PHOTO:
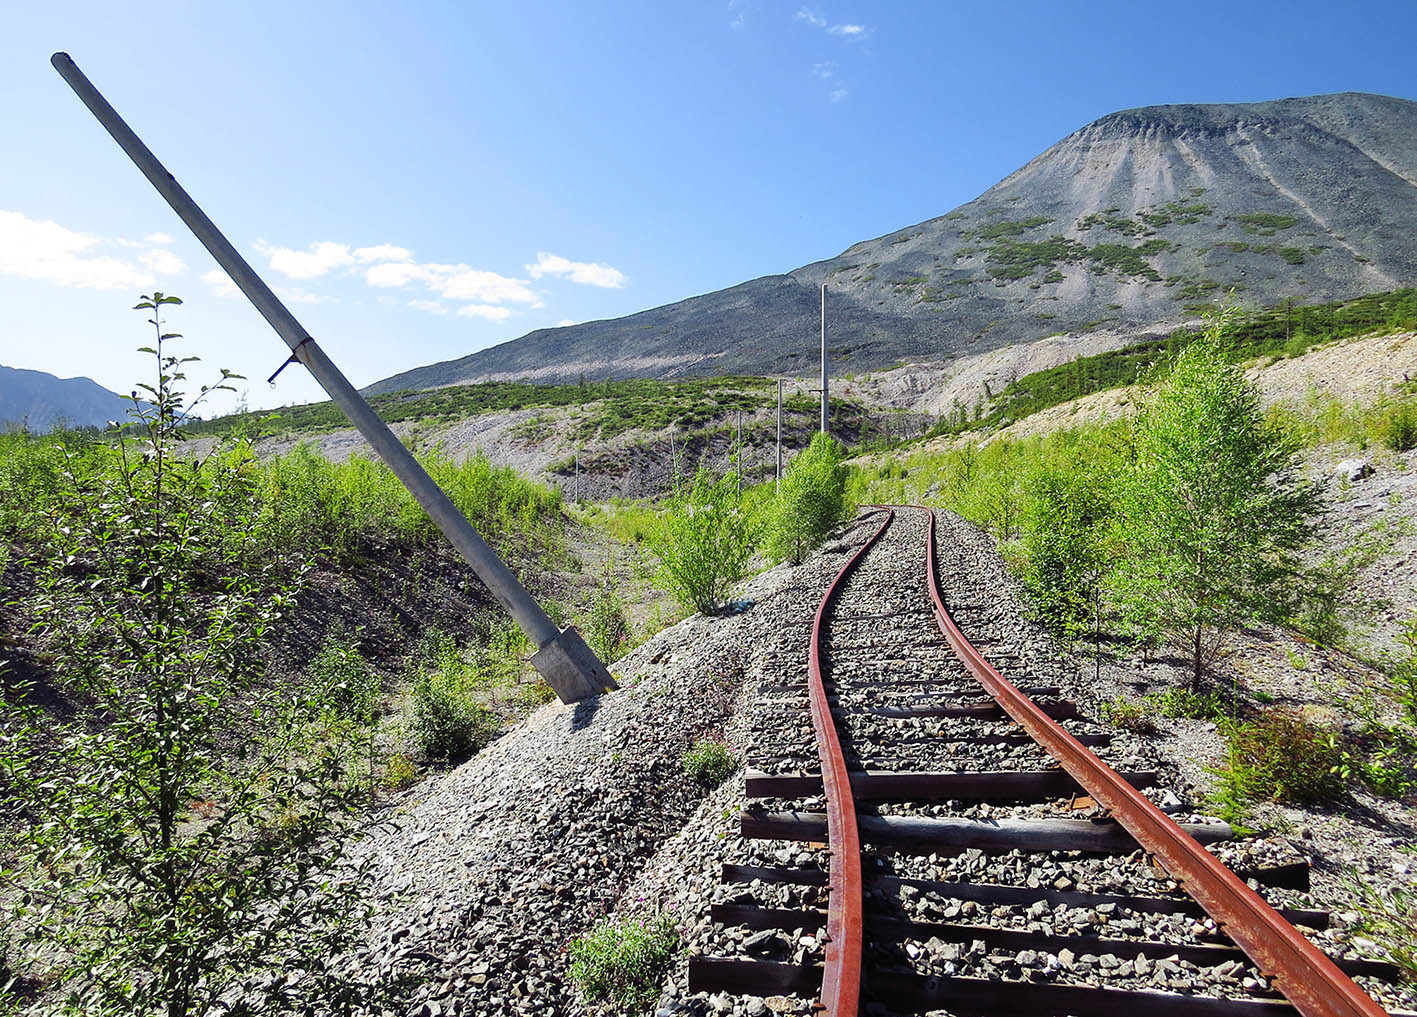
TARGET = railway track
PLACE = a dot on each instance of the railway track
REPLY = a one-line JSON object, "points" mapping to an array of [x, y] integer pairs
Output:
{"points": [[954, 842]]}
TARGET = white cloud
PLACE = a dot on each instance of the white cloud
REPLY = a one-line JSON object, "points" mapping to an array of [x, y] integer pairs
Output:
{"points": [[322, 257], [220, 282], [824, 70], [158, 239], [484, 311], [592, 274], [453, 282], [431, 306], [163, 262], [398, 273], [564, 322], [42, 249], [839, 94], [298, 296], [382, 252], [464, 283], [817, 19]]}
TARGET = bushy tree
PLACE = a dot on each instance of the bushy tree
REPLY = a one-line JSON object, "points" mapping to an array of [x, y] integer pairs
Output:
{"points": [[813, 501], [1212, 510], [181, 844], [704, 539], [1065, 548]]}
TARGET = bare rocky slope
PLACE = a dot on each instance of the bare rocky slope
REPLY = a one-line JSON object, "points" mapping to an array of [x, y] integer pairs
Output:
{"points": [[1123, 226]]}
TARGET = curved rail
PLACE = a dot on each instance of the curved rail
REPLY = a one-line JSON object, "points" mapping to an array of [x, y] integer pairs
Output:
{"points": [[841, 969], [1306, 976]]}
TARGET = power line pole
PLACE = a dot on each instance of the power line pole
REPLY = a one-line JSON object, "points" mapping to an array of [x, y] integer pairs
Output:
{"points": [[562, 657], [824, 358], [779, 434]]}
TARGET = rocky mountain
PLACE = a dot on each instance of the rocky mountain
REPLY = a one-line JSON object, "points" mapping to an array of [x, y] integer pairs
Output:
{"points": [[42, 402], [1128, 225]]}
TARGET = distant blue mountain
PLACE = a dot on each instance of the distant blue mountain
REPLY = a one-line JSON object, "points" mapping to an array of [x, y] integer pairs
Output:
{"points": [[42, 402]]}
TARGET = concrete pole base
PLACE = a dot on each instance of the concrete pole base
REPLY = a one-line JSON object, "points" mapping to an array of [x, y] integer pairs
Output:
{"points": [[572, 668]]}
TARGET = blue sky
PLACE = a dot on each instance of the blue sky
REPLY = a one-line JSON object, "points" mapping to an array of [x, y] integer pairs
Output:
{"points": [[426, 179]]}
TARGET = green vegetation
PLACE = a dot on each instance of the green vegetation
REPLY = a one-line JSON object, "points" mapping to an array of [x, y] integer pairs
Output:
{"points": [[1009, 228], [1208, 507], [624, 961], [811, 503], [628, 403], [1288, 328], [704, 538], [1390, 918], [708, 762], [163, 872], [1016, 259], [1265, 223], [1065, 519], [607, 630], [1278, 757], [448, 722], [1129, 715]]}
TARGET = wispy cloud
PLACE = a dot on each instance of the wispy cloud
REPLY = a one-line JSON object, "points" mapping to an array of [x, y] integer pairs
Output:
{"points": [[163, 262], [43, 249], [483, 311], [815, 18], [431, 306], [321, 258], [825, 69], [839, 94], [158, 239], [589, 273], [220, 283], [382, 252], [564, 322]]}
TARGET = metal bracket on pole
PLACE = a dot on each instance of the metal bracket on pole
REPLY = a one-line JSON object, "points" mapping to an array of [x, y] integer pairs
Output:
{"points": [[562, 656]]}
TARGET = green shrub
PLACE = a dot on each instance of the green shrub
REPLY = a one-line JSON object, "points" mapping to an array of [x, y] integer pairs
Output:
{"points": [[1399, 429], [811, 503], [1281, 757], [400, 772], [708, 762], [607, 630], [704, 539], [624, 961], [341, 682], [185, 845], [1130, 715], [1189, 704], [448, 722], [1065, 557]]}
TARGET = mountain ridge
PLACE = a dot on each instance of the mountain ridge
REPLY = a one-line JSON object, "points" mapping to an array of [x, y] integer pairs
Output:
{"points": [[1133, 222], [40, 401]]}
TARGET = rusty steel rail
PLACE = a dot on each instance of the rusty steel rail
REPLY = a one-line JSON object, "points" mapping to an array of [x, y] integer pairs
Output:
{"points": [[1303, 973], [841, 969]]}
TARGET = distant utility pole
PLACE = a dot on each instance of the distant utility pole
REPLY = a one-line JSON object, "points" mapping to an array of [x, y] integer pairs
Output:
{"points": [[779, 434], [824, 358]]}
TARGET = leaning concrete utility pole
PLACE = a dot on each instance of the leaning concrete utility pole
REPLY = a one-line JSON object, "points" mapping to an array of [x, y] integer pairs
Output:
{"points": [[824, 358], [562, 656]]}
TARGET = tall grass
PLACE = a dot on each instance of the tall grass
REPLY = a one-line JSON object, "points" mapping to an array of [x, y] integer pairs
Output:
{"points": [[306, 503]]}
